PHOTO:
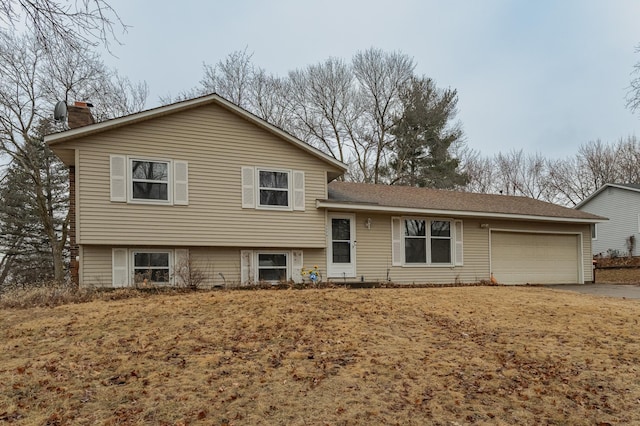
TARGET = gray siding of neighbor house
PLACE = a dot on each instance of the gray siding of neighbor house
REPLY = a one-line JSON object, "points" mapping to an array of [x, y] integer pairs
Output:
{"points": [[622, 207]]}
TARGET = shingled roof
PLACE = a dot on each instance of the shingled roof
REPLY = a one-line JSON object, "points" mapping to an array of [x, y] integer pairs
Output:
{"points": [[379, 197]]}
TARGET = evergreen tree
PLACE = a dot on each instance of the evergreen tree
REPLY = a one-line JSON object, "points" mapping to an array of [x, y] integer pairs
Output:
{"points": [[424, 134], [33, 214]]}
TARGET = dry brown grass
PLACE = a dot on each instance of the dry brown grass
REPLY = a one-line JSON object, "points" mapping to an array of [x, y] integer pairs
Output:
{"points": [[476, 355], [624, 276]]}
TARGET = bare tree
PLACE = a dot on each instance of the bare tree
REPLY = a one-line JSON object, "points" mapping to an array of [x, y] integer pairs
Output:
{"points": [[324, 107], [380, 77], [30, 84], [57, 25], [270, 100], [633, 94], [82, 75], [479, 169], [231, 78], [522, 174], [595, 164]]}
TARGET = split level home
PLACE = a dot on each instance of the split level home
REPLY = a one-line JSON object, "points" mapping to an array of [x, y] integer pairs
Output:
{"points": [[619, 236], [205, 185]]}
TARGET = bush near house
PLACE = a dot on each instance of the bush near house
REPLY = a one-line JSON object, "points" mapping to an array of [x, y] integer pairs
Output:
{"points": [[468, 355]]}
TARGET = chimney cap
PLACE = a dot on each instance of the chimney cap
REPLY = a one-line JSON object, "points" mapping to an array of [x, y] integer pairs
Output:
{"points": [[83, 104]]}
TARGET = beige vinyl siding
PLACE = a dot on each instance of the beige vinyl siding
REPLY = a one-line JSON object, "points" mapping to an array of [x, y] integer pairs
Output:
{"points": [[216, 144], [96, 268], [373, 251]]}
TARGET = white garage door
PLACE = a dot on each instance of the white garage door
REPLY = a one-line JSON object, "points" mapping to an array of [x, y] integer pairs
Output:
{"points": [[521, 258]]}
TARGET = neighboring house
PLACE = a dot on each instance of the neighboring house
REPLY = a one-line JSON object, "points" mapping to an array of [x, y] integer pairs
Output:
{"points": [[621, 204], [205, 185]]}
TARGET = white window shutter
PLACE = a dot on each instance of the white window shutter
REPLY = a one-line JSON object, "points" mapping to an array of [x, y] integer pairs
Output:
{"points": [[458, 235], [180, 183], [248, 188], [120, 267], [246, 267], [118, 171], [396, 241], [298, 190], [181, 267], [296, 266]]}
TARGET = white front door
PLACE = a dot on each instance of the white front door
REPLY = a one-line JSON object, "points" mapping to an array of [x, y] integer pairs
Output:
{"points": [[341, 262]]}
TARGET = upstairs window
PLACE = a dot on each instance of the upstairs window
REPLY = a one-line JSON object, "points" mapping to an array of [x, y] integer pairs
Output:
{"points": [[274, 188], [267, 188], [150, 180]]}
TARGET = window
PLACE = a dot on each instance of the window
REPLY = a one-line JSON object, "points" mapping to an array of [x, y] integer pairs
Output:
{"points": [[415, 241], [341, 240], [441, 241], [427, 242], [152, 266], [273, 188], [144, 180], [272, 267], [594, 230], [149, 180]]}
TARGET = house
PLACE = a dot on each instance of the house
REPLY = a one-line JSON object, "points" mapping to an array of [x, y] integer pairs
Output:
{"points": [[203, 185], [621, 204]]}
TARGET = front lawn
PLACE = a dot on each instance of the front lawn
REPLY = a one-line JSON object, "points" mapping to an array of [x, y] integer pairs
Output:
{"points": [[471, 355]]}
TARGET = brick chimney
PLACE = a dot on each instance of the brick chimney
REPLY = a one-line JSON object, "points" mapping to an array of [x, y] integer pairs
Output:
{"points": [[79, 115]]}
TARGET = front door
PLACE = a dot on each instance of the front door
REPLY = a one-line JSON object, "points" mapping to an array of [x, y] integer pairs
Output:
{"points": [[341, 262]]}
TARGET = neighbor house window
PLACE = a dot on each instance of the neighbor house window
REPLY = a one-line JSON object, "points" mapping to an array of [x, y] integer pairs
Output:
{"points": [[273, 188], [152, 266], [272, 267], [427, 242], [150, 180]]}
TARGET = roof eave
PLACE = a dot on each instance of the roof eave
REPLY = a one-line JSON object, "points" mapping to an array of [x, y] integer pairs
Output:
{"points": [[602, 188], [57, 138], [327, 204]]}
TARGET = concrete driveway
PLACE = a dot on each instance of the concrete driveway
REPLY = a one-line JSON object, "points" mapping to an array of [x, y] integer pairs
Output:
{"points": [[625, 291]]}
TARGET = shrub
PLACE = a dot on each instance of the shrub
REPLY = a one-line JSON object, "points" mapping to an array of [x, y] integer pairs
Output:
{"points": [[45, 295]]}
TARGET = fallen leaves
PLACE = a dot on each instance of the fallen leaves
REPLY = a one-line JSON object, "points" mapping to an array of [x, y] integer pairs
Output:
{"points": [[411, 356]]}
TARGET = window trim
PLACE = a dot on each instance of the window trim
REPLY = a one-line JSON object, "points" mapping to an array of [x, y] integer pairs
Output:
{"points": [[130, 180], [256, 260], [132, 268], [428, 238], [259, 205]]}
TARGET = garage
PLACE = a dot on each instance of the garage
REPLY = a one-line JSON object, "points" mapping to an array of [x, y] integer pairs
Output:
{"points": [[535, 258]]}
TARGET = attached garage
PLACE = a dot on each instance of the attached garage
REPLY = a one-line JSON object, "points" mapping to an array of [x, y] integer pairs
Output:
{"points": [[536, 258]]}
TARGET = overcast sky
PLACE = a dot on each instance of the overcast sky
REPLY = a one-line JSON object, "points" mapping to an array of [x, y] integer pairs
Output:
{"points": [[543, 75]]}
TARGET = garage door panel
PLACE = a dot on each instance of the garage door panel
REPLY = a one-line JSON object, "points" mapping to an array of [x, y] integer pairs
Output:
{"points": [[521, 258]]}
